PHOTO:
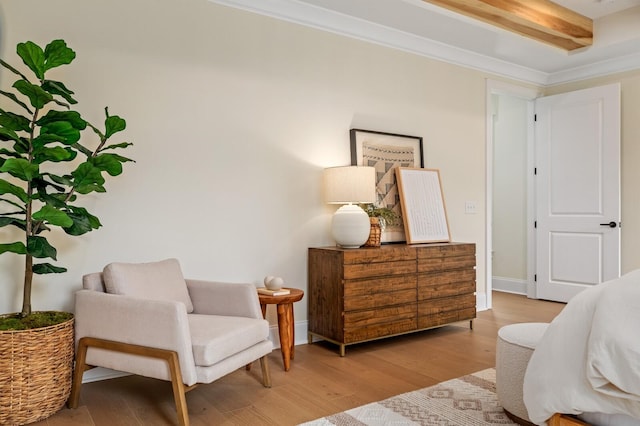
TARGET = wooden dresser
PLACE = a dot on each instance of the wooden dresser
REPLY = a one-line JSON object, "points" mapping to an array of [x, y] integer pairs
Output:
{"points": [[368, 293]]}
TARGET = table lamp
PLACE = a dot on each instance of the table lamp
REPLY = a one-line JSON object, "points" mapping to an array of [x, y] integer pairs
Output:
{"points": [[350, 185]]}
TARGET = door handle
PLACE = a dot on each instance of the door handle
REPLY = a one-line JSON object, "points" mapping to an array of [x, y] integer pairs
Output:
{"points": [[611, 224]]}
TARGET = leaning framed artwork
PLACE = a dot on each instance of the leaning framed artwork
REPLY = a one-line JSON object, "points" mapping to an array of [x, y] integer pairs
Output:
{"points": [[386, 152], [425, 215]]}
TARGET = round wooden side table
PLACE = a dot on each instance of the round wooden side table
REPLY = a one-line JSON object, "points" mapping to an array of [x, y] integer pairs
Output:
{"points": [[284, 308]]}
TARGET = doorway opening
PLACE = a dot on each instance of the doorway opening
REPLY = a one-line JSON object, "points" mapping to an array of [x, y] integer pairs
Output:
{"points": [[509, 187]]}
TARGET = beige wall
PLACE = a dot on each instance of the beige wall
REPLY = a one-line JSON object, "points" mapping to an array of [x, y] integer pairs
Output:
{"points": [[630, 153], [234, 116], [510, 161]]}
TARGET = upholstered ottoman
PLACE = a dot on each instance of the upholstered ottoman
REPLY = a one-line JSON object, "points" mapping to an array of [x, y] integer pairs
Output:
{"points": [[515, 345]]}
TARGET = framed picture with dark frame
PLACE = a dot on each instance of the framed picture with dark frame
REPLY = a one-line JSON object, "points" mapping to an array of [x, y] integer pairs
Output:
{"points": [[386, 152]]}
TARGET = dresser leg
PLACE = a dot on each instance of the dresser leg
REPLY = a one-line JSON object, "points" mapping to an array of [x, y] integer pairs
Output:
{"points": [[470, 324], [342, 350]]}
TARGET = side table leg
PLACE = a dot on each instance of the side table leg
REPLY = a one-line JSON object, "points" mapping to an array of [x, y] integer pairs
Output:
{"points": [[285, 330], [263, 308]]}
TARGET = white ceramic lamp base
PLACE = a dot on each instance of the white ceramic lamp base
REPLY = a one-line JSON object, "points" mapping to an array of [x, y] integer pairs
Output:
{"points": [[350, 226]]}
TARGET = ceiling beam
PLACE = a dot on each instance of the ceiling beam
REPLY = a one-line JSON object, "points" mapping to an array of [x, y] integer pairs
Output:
{"points": [[541, 20]]}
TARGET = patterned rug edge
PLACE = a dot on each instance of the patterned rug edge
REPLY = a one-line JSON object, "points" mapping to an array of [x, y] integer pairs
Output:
{"points": [[469, 400]]}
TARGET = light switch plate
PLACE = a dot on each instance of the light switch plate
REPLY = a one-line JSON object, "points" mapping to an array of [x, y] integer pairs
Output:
{"points": [[469, 207]]}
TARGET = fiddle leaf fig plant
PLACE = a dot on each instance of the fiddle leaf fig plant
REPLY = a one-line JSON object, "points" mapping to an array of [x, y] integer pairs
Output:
{"points": [[46, 161]]}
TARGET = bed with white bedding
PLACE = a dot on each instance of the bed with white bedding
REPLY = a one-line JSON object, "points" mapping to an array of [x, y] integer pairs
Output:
{"points": [[588, 361]]}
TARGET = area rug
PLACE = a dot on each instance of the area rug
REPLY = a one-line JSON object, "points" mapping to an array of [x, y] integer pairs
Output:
{"points": [[467, 401]]}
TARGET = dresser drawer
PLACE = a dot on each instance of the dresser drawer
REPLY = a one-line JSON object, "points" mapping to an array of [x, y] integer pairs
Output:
{"points": [[379, 269], [445, 304], [369, 317], [380, 292], [443, 318], [375, 331], [380, 300], [433, 251], [438, 264], [379, 285], [385, 253], [450, 283]]}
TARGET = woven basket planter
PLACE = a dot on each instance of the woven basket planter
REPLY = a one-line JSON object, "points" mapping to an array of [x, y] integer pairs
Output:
{"points": [[35, 372]]}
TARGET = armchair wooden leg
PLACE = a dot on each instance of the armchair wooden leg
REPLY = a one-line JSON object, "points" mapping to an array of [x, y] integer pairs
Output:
{"points": [[79, 369], [171, 357], [266, 374]]}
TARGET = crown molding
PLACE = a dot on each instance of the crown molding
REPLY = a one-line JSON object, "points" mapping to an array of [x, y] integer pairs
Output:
{"points": [[327, 20]]}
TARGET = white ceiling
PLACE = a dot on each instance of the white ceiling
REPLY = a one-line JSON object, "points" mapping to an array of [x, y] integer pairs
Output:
{"points": [[428, 30]]}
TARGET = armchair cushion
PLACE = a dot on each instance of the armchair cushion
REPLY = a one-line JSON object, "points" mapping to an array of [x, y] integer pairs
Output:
{"points": [[161, 280], [216, 337]]}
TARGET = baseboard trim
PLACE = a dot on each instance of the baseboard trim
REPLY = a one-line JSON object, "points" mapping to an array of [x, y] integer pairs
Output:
{"points": [[510, 285], [300, 333], [99, 373]]}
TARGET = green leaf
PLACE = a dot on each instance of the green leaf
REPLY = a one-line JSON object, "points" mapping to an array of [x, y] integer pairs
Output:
{"points": [[62, 180], [96, 131], [113, 124], [110, 163], [87, 178], [8, 135], [15, 99], [86, 151], [71, 117], [20, 168], [55, 154], [12, 69], [16, 247], [83, 222], [4, 221], [52, 199], [22, 146], [33, 57], [62, 104], [39, 247], [58, 88], [18, 223], [38, 97], [53, 216], [13, 121], [58, 131], [117, 145], [57, 53], [47, 268], [9, 188]]}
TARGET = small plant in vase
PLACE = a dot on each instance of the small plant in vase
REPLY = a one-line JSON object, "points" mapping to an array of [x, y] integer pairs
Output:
{"points": [[380, 218], [44, 166]]}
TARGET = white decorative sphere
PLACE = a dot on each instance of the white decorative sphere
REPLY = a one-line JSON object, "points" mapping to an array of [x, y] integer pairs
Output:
{"points": [[275, 283]]}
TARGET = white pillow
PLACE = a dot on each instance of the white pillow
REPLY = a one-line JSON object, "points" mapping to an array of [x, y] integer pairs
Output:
{"points": [[161, 280]]}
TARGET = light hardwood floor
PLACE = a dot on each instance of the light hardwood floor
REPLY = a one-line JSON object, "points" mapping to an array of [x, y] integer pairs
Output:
{"points": [[319, 383]]}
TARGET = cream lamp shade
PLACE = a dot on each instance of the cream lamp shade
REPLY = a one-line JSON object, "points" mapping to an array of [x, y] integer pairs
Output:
{"points": [[350, 185]]}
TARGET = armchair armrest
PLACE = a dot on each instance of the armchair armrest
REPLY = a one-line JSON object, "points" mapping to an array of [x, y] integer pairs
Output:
{"points": [[230, 299], [152, 323]]}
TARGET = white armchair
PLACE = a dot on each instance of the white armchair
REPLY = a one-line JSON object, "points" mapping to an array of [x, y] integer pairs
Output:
{"points": [[146, 319]]}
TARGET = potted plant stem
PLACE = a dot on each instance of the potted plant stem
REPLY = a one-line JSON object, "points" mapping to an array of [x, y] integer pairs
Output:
{"points": [[46, 163]]}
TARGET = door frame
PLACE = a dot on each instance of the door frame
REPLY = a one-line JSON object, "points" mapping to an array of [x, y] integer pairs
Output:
{"points": [[495, 87]]}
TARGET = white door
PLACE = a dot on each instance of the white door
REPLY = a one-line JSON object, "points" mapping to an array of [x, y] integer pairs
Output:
{"points": [[577, 191]]}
